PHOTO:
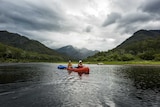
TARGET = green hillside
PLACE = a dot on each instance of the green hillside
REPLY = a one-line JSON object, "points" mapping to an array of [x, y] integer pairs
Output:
{"points": [[18, 41], [143, 45], [12, 54], [17, 47]]}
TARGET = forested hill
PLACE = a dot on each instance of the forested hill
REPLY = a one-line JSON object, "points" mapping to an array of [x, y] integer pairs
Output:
{"points": [[139, 36], [18, 41], [15, 46], [142, 45]]}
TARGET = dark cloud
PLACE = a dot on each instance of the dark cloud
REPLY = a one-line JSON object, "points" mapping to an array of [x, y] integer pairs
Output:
{"points": [[127, 23], [131, 19], [112, 18], [88, 29], [137, 17], [152, 6], [30, 16]]}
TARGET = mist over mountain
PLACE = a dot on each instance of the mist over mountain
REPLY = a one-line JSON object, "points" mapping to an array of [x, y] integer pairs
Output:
{"points": [[76, 53]]}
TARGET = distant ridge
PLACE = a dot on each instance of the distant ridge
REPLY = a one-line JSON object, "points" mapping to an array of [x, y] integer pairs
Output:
{"points": [[75, 53]]}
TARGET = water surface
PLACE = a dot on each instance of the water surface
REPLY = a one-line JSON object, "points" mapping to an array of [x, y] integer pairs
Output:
{"points": [[43, 85]]}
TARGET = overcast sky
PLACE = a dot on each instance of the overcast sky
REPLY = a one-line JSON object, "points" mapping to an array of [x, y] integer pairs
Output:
{"points": [[93, 24]]}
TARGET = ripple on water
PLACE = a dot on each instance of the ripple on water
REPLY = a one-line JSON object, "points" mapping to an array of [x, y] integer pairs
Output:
{"points": [[105, 86]]}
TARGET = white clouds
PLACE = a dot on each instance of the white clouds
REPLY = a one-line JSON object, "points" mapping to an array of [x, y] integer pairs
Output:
{"points": [[94, 24]]}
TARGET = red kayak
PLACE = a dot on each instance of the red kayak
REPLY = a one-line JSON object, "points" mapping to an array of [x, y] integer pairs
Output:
{"points": [[79, 70]]}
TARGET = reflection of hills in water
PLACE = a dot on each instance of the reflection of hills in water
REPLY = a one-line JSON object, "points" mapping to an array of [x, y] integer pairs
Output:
{"points": [[106, 85], [147, 77]]}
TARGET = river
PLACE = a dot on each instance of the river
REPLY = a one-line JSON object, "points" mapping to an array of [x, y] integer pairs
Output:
{"points": [[43, 85]]}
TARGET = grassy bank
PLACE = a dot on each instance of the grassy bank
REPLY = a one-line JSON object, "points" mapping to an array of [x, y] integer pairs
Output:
{"points": [[86, 62], [126, 62]]}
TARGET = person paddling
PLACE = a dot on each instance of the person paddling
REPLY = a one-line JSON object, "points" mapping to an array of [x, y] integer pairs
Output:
{"points": [[80, 65], [69, 64]]}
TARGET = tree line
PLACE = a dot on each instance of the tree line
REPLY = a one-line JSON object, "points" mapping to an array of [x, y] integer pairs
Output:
{"points": [[143, 50], [12, 54]]}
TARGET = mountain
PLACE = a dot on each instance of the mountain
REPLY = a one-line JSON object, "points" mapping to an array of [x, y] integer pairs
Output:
{"points": [[142, 45], [139, 36], [75, 53], [17, 41], [12, 54]]}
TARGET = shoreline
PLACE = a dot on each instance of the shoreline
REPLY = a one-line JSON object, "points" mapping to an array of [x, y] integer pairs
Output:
{"points": [[125, 63], [133, 63]]}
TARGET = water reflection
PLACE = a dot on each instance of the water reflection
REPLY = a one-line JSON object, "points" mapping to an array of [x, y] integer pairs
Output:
{"points": [[79, 73], [144, 77], [12, 73], [69, 72], [42, 84]]}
